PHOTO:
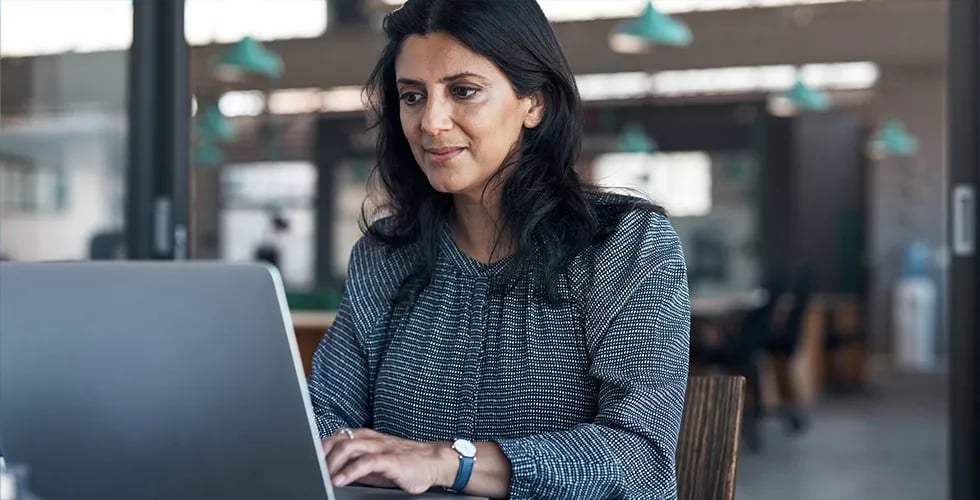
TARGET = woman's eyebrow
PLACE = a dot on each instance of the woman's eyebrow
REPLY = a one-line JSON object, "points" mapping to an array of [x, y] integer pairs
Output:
{"points": [[460, 76], [445, 79]]}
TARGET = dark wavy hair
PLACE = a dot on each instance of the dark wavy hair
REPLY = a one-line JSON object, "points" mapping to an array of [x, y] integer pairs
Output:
{"points": [[546, 210]]}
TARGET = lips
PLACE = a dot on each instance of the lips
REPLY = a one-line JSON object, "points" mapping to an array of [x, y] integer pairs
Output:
{"points": [[443, 154]]}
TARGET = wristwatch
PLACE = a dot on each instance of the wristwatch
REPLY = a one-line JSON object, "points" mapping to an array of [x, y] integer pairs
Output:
{"points": [[467, 456]]}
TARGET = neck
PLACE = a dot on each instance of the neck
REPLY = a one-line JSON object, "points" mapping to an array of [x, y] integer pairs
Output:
{"points": [[476, 227]]}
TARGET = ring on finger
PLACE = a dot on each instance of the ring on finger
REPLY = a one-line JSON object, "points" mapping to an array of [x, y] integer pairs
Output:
{"points": [[348, 432]]}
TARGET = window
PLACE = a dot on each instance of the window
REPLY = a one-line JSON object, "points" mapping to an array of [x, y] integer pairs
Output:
{"points": [[63, 129], [32, 27], [713, 204], [680, 182], [29, 189]]}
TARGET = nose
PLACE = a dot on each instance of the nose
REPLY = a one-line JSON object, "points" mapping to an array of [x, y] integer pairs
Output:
{"points": [[436, 117]]}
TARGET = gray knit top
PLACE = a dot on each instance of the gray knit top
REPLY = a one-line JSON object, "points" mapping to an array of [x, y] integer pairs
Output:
{"points": [[585, 397]]}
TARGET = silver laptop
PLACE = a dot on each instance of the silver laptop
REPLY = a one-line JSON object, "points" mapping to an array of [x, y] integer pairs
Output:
{"points": [[144, 380]]}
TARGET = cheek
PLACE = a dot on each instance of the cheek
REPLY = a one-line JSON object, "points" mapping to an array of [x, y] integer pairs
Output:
{"points": [[409, 125], [493, 132], [495, 142]]}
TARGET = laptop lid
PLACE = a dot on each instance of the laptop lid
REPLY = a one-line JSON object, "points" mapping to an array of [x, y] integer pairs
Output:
{"points": [[154, 380]]}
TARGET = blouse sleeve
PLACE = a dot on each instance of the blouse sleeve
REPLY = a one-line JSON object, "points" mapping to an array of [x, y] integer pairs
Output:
{"points": [[639, 359], [345, 362]]}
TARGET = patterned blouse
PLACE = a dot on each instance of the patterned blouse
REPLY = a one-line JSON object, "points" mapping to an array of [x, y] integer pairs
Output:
{"points": [[585, 398]]}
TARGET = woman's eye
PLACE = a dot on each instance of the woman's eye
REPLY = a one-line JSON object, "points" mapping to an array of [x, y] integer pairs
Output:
{"points": [[411, 98], [464, 92]]}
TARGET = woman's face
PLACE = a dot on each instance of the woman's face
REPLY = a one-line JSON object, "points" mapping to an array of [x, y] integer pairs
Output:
{"points": [[459, 112]]}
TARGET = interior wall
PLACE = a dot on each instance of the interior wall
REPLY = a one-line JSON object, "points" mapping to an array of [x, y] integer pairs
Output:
{"points": [[828, 205]]}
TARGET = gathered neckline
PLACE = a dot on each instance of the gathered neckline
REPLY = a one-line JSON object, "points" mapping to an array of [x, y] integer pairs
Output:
{"points": [[465, 262]]}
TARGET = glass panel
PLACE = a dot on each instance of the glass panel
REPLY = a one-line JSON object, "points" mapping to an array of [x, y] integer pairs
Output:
{"points": [[253, 180], [63, 128]]}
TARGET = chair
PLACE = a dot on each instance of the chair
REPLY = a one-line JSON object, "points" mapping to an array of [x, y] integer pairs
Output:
{"points": [[707, 451], [781, 348], [738, 355]]}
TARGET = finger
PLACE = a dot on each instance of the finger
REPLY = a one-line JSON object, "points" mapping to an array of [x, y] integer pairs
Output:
{"points": [[377, 481], [381, 469], [368, 464], [343, 451], [326, 444], [338, 436], [349, 449], [368, 433], [329, 442], [346, 432]]}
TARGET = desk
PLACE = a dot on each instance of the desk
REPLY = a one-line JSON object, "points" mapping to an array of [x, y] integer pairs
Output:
{"points": [[807, 365], [720, 306]]}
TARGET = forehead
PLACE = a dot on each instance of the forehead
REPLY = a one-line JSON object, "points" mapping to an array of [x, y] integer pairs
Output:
{"points": [[437, 55]]}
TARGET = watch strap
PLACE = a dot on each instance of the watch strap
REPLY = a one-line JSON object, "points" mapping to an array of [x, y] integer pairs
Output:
{"points": [[464, 473]]}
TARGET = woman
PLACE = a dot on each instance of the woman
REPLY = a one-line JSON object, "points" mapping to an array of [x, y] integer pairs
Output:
{"points": [[505, 330]]}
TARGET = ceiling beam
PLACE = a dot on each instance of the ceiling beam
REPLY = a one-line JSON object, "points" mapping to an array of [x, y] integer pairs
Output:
{"points": [[893, 32]]}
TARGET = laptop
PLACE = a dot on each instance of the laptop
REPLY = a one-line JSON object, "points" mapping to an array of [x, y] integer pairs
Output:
{"points": [[157, 380]]}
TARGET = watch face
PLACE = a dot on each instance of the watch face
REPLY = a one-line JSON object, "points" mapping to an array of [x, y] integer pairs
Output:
{"points": [[465, 448]]}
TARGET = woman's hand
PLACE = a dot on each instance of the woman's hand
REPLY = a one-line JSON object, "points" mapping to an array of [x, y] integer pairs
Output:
{"points": [[377, 459]]}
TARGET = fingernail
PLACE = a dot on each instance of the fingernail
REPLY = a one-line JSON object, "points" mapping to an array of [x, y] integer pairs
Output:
{"points": [[339, 480]]}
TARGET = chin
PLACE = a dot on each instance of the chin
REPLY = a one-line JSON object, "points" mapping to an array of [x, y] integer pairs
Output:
{"points": [[447, 188], [446, 185]]}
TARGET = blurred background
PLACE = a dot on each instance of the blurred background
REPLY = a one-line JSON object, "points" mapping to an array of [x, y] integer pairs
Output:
{"points": [[801, 148]]}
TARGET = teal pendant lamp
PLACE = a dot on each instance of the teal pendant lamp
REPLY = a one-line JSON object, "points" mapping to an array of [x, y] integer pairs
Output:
{"points": [[634, 139], [208, 155], [248, 56], [214, 127], [651, 28], [211, 128], [805, 97], [893, 139]]}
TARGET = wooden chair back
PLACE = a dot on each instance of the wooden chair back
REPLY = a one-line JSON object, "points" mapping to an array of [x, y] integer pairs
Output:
{"points": [[707, 452]]}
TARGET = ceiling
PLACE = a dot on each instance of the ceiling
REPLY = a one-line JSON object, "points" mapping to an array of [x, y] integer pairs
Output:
{"points": [[889, 32], [905, 33]]}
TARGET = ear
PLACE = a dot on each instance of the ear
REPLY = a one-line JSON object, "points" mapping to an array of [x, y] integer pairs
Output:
{"points": [[535, 110]]}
